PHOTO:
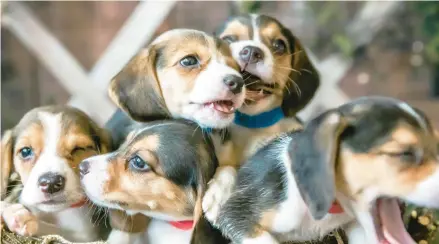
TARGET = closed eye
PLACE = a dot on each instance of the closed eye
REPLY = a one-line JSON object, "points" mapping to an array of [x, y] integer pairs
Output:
{"points": [[78, 149]]}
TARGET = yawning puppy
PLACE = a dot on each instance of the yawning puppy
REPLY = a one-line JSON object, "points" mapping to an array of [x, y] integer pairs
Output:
{"points": [[183, 74], [280, 80], [45, 149], [348, 168], [161, 171]]}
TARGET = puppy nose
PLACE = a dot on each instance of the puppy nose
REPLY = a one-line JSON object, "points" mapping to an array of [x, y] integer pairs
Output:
{"points": [[84, 167], [234, 82], [51, 183], [251, 54]]}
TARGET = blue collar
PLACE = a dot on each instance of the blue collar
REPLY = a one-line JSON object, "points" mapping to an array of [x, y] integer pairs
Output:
{"points": [[262, 120]]}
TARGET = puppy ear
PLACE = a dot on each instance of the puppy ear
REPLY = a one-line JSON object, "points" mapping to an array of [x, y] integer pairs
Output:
{"points": [[204, 232], [7, 161], [313, 156], [136, 89], [306, 79]]}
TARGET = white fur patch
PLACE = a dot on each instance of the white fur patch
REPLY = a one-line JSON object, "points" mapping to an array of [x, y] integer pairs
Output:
{"points": [[426, 193], [220, 189]]}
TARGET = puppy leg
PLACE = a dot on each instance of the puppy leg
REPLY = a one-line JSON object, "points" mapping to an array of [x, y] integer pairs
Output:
{"points": [[19, 219], [219, 190]]}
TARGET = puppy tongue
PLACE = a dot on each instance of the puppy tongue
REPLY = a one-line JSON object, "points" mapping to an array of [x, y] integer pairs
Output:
{"points": [[223, 107], [391, 223]]}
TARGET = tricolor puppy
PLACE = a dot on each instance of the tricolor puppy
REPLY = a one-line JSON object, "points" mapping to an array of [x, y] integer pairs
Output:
{"points": [[160, 171], [280, 80], [349, 167], [183, 74], [45, 149]]}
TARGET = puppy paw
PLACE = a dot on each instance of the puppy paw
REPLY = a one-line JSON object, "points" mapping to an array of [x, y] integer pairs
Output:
{"points": [[20, 220], [219, 190]]}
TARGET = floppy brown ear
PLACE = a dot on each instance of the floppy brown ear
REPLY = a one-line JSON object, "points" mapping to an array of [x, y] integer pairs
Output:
{"points": [[7, 161], [204, 232], [307, 81], [136, 89], [313, 156]]}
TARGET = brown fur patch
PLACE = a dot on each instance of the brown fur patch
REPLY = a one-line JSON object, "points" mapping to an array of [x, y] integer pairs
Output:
{"points": [[129, 223], [145, 191], [237, 29], [267, 219]]}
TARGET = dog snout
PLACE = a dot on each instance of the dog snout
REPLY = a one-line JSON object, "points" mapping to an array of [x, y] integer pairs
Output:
{"points": [[251, 54], [234, 83], [84, 167], [51, 183]]}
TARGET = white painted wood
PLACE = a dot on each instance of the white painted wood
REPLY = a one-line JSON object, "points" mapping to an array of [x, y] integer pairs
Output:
{"points": [[52, 54], [136, 32]]}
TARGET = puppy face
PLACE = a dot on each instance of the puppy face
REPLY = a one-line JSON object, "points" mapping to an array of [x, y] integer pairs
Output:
{"points": [[382, 151], [182, 74], [45, 149], [275, 66], [161, 170]]}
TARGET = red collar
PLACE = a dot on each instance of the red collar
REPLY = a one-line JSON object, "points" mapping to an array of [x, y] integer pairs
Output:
{"points": [[182, 225], [81, 203], [336, 208]]}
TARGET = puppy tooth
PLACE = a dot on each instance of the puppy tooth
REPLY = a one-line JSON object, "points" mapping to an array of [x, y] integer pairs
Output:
{"points": [[211, 105]]}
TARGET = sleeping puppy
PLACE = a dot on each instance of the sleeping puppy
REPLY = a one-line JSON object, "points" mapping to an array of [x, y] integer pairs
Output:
{"points": [[160, 171], [280, 80], [183, 74], [45, 149], [349, 167]]}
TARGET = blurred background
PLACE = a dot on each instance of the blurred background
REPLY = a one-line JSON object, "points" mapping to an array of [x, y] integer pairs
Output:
{"points": [[66, 52]]}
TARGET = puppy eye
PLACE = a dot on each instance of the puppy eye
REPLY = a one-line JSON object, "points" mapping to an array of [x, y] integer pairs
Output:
{"points": [[189, 61], [409, 155], [26, 153], [138, 164], [229, 39], [279, 46]]}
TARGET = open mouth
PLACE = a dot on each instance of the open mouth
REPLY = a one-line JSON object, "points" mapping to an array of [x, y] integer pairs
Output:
{"points": [[223, 106], [256, 88], [389, 226]]}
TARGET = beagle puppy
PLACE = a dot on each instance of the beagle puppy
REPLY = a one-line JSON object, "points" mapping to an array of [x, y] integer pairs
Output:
{"points": [[349, 167], [280, 80], [45, 149], [161, 171], [185, 74]]}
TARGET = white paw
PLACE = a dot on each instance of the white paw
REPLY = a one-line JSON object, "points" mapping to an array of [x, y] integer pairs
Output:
{"points": [[20, 220], [219, 190]]}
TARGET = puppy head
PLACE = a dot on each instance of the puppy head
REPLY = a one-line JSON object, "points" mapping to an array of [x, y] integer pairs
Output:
{"points": [[45, 149], [183, 74], [161, 170], [276, 69], [380, 150]]}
